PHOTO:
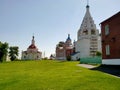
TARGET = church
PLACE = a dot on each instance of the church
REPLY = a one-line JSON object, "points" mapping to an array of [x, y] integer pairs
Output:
{"points": [[64, 50], [88, 38], [32, 52]]}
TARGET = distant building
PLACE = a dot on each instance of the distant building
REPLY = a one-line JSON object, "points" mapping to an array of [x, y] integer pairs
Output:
{"points": [[32, 52], [88, 38], [110, 29], [52, 57], [65, 49]]}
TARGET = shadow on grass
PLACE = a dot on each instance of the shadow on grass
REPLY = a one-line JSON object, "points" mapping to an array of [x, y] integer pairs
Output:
{"points": [[110, 69]]}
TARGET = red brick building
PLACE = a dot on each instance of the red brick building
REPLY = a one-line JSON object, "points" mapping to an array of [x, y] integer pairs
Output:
{"points": [[110, 30], [64, 49]]}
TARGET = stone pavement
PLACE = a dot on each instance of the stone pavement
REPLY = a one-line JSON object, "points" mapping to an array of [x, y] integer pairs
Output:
{"points": [[113, 70], [86, 66]]}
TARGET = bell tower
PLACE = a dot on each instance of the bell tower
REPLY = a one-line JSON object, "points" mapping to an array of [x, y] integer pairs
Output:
{"points": [[87, 36]]}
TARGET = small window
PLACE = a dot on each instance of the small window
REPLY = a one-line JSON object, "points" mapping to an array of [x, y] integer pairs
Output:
{"points": [[85, 32], [107, 50], [106, 29]]}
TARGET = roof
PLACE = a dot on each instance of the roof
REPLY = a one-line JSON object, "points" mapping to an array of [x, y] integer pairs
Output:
{"points": [[87, 22], [32, 46], [111, 17], [68, 38]]}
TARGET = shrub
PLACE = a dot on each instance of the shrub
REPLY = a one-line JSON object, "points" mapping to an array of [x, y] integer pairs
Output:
{"points": [[98, 53], [68, 58]]}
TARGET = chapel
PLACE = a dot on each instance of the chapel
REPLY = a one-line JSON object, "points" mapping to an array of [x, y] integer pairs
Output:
{"points": [[64, 50], [32, 52]]}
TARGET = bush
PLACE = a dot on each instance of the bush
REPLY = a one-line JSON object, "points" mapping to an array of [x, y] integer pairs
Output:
{"points": [[98, 53], [68, 58]]}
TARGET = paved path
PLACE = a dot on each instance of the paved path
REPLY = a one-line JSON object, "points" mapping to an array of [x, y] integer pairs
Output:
{"points": [[86, 66], [111, 70]]}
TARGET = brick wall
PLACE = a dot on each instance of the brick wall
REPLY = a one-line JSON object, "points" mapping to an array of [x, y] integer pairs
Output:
{"points": [[113, 38]]}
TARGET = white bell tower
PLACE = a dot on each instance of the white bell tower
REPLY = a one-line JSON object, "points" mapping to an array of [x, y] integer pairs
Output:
{"points": [[87, 36]]}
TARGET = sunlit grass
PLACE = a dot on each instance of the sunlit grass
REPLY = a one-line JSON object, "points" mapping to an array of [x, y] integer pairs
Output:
{"points": [[53, 75]]}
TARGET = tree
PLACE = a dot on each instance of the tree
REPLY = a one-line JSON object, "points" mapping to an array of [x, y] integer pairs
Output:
{"points": [[3, 51], [13, 53], [98, 53], [61, 44]]}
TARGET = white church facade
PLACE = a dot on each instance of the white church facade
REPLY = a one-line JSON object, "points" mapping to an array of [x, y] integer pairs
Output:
{"points": [[32, 52], [88, 38]]}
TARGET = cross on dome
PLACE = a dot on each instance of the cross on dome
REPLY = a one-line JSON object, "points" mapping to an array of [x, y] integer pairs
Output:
{"points": [[88, 2]]}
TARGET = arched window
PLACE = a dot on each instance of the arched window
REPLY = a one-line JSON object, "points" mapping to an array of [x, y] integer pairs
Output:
{"points": [[85, 32], [93, 32]]}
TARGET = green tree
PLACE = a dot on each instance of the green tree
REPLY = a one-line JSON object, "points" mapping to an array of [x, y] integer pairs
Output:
{"points": [[13, 53], [3, 51], [98, 53]]}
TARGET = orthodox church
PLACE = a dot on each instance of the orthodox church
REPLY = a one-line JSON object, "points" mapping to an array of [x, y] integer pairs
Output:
{"points": [[32, 52], [88, 38], [64, 49]]}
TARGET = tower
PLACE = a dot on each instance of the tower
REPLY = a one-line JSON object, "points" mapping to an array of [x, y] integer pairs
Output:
{"points": [[87, 36], [68, 41]]}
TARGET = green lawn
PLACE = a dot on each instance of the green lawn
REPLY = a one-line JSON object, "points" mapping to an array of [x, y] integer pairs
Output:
{"points": [[53, 75]]}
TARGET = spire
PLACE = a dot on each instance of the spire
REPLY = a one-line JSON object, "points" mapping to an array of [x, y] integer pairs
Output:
{"points": [[87, 23], [32, 46], [68, 40], [87, 20], [33, 41], [87, 9], [68, 37], [87, 4]]}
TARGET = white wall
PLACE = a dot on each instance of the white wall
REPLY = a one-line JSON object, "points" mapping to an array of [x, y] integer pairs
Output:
{"points": [[111, 61], [83, 46]]}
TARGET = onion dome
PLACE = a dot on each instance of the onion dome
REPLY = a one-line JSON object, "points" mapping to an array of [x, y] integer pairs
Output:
{"points": [[32, 46], [68, 39]]}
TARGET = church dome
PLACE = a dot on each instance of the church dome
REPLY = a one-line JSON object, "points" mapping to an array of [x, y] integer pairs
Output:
{"points": [[68, 40], [32, 46]]}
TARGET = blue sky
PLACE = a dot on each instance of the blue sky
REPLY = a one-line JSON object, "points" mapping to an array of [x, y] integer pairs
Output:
{"points": [[50, 20]]}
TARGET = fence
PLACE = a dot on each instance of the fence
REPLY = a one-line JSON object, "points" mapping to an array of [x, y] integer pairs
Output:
{"points": [[91, 60]]}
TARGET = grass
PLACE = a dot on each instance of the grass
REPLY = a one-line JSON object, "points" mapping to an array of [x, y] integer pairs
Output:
{"points": [[53, 75]]}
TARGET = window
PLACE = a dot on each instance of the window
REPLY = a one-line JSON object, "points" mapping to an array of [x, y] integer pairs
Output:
{"points": [[106, 29], [85, 32], [107, 50], [93, 32]]}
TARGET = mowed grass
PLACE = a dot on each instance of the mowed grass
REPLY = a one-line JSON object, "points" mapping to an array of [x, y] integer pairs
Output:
{"points": [[53, 75]]}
